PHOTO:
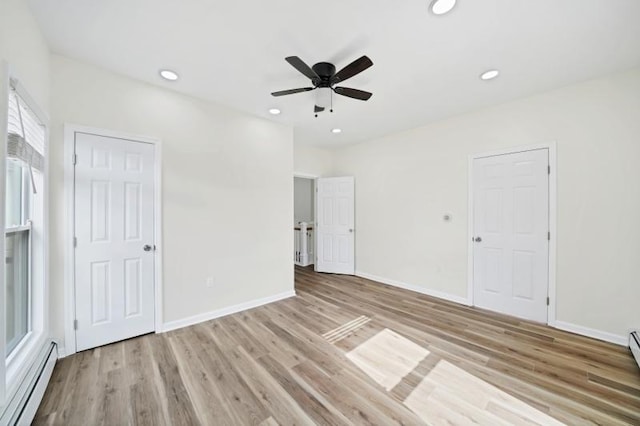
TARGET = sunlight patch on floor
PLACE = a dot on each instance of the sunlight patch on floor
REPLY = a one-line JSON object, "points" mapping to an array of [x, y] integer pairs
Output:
{"points": [[450, 395], [346, 329], [387, 357]]}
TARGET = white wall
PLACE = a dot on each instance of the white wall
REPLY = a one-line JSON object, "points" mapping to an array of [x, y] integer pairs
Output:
{"points": [[227, 188], [24, 48], [312, 161], [303, 200], [406, 182]]}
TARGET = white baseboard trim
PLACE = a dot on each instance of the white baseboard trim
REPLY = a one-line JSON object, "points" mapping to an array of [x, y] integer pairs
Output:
{"points": [[634, 345], [590, 332], [206, 316], [433, 293], [42, 379], [23, 399]]}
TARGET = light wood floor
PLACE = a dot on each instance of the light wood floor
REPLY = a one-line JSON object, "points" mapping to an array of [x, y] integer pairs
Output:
{"points": [[349, 351]]}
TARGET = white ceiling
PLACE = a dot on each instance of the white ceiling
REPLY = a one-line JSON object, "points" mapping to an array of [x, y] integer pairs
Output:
{"points": [[425, 67]]}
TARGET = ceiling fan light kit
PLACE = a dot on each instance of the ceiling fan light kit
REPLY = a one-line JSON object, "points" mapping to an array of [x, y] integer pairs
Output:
{"points": [[323, 97], [324, 78]]}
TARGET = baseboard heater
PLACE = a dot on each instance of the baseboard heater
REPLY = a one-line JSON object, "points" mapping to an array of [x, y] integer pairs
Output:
{"points": [[634, 345], [21, 410]]}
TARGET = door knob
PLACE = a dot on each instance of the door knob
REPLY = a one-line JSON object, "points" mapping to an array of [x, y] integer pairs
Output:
{"points": [[350, 230], [146, 247], [478, 239]]}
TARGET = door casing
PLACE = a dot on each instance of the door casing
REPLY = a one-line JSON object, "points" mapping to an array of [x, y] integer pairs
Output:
{"points": [[551, 146], [70, 131]]}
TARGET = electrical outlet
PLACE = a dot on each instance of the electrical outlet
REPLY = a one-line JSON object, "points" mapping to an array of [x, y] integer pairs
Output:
{"points": [[209, 282]]}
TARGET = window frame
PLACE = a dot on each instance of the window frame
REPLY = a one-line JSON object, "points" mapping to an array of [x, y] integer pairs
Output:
{"points": [[18, 364]]}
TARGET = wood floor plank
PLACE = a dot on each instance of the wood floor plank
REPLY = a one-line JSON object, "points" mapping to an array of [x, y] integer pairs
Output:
{"points": [[254, 324], [343, 398], [334, 355], [315, 406], [201, 379], [180, 410], [61, 383], [214, 341], [83, 398], [276, 400]]}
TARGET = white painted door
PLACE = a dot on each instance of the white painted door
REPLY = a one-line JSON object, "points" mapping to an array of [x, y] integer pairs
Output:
{"points": [[511, 225], [114, 221], [335, 231]]}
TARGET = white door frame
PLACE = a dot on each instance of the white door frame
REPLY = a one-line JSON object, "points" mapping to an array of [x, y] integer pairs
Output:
{"points": [[305, 176], [314, 178], [69, 208], [551, 146]]}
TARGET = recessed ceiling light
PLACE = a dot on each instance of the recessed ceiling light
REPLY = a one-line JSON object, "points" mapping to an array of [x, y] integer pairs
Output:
{"points": [[336, 130], [274, 111], [169, 75], [441, 7], [489, 75]]}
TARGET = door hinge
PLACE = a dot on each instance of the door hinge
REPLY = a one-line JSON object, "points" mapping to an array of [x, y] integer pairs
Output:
{"points": [[549, 169], [547, 301], [549, 236], [75, 241], [74, 159], [75, 324]]}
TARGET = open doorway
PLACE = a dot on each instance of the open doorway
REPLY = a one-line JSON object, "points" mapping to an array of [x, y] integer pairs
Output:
{"points": [[303, 220], [324, 219]]}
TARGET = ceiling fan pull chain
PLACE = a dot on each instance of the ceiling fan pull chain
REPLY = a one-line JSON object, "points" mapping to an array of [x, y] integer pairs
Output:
{"points": [[331, 109]]}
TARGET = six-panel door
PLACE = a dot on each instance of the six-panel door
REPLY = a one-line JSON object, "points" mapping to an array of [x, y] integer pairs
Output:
{"points": [[114, 221], [335, 225], [511, 224]]}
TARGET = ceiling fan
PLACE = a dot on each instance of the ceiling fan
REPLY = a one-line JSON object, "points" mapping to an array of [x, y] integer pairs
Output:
{"points": [[324, 77]]}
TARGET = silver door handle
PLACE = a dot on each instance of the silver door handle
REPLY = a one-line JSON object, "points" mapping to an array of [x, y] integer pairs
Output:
{"points": [[146, 247], [478, 240]]}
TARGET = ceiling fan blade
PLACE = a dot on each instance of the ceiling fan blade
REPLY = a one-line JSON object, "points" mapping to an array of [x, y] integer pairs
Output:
{"points": [[353, 93], [305, 69], [292, 91], [355, 67], [317, 109]]}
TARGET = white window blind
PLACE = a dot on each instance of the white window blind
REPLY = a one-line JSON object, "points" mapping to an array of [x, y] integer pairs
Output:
{"points": [[26, 136]]}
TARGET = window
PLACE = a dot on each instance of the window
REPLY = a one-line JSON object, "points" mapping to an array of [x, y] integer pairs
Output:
{"points": [[23, 217], [17, 255]]}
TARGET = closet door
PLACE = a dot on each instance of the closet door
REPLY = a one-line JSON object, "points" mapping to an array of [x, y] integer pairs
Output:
{"points": [[114, 229]]}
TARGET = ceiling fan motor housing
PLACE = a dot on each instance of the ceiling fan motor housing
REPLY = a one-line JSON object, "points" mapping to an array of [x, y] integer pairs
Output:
{"points": [[325, 71]]}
